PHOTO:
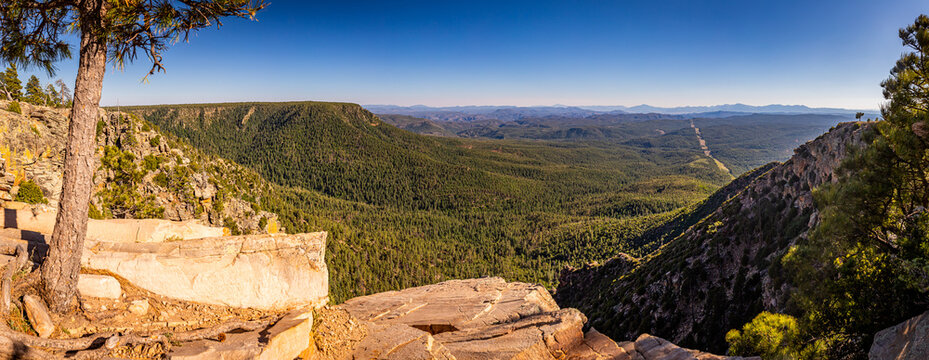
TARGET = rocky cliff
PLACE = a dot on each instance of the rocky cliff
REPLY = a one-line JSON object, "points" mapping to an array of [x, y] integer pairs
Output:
{"points": [[141, 172], [199, 297], [723, 270]]}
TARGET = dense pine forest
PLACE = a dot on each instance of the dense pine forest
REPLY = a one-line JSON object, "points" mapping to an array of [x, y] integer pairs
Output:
{"points": [[405, 209]]}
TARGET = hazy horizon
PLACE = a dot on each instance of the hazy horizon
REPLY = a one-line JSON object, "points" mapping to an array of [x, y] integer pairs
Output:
{"points": [[680, 53]]}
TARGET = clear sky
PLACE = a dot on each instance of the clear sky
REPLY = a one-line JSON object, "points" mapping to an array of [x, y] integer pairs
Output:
{"points": [[822, 53]]}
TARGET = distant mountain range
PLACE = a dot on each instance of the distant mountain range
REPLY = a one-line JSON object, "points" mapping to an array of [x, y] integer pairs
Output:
{"points": [[508, 113], [742, 108]]}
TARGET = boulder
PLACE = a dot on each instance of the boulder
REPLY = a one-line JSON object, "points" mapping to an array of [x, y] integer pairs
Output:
{"points": [[485, 318], [139, 307], [649, 347], [908, 340], [286, 339], [489, 318], [597, 346], [98, 286], [265, 272]]}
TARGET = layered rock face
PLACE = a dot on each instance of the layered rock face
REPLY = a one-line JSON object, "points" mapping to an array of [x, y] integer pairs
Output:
{"points": [[908, 340], [265, 272], [724, 270], [487, 318], [191, 262]]}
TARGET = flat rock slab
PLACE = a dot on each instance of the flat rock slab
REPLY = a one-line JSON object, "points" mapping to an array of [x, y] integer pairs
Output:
{"points": [[265, 272], [908, 340], [485, 318], [98, 286], [286, 339], [42, 220], [454, 304], [552, 335]]}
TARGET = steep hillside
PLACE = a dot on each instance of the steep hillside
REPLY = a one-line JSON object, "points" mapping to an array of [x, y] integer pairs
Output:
{"points": [[344, 151], [141, 173], [726, 268]]}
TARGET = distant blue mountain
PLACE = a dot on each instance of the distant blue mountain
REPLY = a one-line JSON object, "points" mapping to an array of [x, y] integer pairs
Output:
{"points": [[740, 108], [510, 113]]}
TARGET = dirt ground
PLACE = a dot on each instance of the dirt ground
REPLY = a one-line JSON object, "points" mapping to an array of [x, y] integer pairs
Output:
{"points": [[164, 316], [336, 332]]}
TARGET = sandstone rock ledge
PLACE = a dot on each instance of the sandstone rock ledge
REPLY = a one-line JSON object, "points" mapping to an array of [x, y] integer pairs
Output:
{"points": [[488, 318], [192, 262], [265, 272]]}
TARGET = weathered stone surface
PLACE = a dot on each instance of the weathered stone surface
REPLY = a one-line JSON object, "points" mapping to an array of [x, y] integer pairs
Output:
{"points": [[286, 339], [908, 340], [396, 341], [38, 316], [470, 319], [542, 336], [139, 307], [267, 272], [14, 205], [597, 346], [458, 304], [654, 348], [99, 286], [115, 230]]}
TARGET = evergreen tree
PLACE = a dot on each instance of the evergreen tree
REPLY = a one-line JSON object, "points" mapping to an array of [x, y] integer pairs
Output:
{"points": [[34, 93], [32, 32], [866, 266], [51, 96], [9, 80]]}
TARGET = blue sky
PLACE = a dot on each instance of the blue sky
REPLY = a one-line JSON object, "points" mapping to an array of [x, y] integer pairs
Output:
{"points": [[663, 53]]}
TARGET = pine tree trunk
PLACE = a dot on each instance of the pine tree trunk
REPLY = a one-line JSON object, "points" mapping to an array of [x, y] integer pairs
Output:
{"points": [[62, 265]]}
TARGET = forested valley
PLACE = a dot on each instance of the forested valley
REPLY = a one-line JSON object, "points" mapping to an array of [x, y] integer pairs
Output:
{"points": [[405, 209]]}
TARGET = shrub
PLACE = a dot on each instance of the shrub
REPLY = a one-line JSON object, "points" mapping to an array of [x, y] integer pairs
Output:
{"points": [[161, 179], [30, 193], [95, 213], [100, 125], [229, 223], [151, 163], [771, 336], [14, 107], [155, 141]]}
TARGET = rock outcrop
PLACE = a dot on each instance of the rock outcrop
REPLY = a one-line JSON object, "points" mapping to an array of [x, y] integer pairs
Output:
{"points": [[166, 282], [267, 272], [724, 270], [289, 338], [190, 262], [486, 318], [908, 340]]}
